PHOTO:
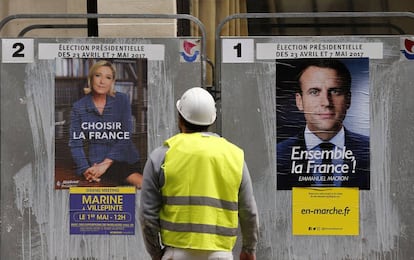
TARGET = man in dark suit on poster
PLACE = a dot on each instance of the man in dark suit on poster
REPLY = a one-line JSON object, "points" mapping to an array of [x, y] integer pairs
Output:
{"points": [[324, 153]]}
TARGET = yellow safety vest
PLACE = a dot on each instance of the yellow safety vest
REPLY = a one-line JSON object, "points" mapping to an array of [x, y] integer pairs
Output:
{"points": [[202, 179]]}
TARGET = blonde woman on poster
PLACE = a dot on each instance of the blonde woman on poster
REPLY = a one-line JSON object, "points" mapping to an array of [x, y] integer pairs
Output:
{"points": [[100, 131]]}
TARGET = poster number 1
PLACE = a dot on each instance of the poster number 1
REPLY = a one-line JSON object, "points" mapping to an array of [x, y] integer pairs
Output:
{"points": [[17, 50], [238, 51]]}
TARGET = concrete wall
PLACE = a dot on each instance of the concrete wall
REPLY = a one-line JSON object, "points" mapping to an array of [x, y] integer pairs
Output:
{"points": [[107, 27], [137, 27], [12, 29]]}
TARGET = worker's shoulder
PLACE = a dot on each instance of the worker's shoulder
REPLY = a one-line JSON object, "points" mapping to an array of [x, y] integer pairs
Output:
{"points": [[158, 153]]}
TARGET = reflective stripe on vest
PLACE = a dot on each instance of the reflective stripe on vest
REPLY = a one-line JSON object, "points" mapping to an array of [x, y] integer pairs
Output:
{"points": [[202, 179]]}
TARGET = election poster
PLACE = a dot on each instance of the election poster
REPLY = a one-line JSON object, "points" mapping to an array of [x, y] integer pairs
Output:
{"points": [[322, 122], [100, 112]]}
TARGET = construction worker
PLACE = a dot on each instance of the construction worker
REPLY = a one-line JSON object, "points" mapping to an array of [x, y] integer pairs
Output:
{"points": [[196, 188]]}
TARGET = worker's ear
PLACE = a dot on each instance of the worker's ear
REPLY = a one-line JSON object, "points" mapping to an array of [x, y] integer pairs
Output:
{"points": [[181, 126]]}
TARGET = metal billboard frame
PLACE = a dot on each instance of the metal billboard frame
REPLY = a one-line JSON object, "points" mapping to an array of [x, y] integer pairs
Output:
{"points": [[112, 16]]}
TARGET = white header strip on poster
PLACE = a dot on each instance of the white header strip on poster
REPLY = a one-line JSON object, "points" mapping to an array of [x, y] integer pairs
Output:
{"points": [[271, 51], [49, 51]]}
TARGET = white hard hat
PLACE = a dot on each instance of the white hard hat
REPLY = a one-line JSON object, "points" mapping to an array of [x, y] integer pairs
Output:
{"points": [[197, 106]]}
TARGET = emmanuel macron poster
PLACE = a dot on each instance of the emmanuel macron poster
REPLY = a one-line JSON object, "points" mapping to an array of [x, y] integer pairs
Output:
{"points": [[323, 123]]}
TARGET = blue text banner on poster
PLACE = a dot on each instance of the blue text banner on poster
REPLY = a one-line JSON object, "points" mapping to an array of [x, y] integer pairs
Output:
{"points": [[102, 210]]}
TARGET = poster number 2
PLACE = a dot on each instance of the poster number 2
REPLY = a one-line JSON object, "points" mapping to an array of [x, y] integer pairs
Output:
{"points": [[19, 47], [238, 50], [17, 50]]}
